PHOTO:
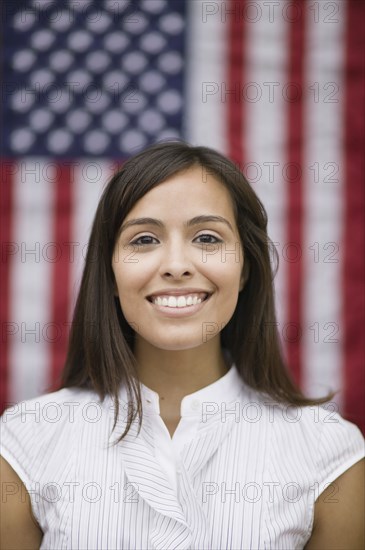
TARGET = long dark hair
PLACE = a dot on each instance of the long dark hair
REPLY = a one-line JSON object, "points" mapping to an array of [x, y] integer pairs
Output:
{"points": [[100, 353]]}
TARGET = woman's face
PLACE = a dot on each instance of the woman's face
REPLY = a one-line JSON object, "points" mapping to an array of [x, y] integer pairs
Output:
{"points": [[174, 252]]}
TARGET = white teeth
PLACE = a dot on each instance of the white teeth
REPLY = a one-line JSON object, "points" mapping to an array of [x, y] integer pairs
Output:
{"points": [[181, 301], [177, 301]]}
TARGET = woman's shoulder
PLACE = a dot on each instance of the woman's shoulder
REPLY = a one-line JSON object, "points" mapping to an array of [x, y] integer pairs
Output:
{"points": [[32, 427], [47, 408], [316, 438], [318, 424], [316, 420]]}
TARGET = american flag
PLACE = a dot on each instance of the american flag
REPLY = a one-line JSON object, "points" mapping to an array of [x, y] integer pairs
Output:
{"points": [[278, 86]]}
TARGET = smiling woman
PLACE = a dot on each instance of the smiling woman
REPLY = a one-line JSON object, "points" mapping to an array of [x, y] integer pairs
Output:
{"points": [[174, 344]]}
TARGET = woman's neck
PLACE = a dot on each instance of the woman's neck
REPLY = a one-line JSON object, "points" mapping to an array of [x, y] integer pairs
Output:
{"points": [[174, 374]]}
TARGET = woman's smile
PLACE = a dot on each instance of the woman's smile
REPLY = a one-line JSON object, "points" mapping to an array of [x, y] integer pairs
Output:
{"points": [[173, 306]]}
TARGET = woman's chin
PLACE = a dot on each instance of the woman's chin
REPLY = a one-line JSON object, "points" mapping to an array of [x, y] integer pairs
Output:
{"points": [[169, 342]]}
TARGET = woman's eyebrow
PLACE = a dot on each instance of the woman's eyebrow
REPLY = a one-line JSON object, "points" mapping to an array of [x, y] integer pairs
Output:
{"points": [[194, 221]]}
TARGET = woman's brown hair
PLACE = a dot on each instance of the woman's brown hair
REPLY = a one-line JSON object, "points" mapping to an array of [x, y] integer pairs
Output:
{"points": [[100, 353]]}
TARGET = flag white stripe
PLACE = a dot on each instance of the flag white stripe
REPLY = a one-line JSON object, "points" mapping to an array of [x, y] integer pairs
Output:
{"points": [[89, 177], [30, 278], [265, 131], [206, 56], [323, 205]]}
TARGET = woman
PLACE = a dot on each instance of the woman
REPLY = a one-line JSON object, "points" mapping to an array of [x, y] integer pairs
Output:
{"points": [[174, 350]]}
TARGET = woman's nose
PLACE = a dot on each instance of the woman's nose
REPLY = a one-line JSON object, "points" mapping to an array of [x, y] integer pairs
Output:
{"points": [[176, 261]]}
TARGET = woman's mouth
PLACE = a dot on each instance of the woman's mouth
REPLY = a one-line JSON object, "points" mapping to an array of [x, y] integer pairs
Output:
{"points": [[177, 306]]}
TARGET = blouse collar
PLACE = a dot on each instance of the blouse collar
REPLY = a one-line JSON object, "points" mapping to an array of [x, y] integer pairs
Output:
{"points": [[208, 398]]}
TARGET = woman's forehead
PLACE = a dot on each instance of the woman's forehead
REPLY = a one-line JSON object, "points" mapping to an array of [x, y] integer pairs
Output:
{"points": [[186, 189]]}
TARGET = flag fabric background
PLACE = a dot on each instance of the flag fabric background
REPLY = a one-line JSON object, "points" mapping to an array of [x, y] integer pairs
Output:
{"points": [[278, 86]]}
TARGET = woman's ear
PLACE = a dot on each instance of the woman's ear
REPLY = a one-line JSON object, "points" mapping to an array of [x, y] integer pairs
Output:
{"points": [[245, 274]]}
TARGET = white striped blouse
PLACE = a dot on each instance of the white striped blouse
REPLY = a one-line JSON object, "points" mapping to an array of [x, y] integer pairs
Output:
{"points": [[240, 472]]}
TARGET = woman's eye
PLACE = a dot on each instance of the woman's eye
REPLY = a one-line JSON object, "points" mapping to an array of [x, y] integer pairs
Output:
{"points": [[139, 243], [147, 239], [207, 236]]}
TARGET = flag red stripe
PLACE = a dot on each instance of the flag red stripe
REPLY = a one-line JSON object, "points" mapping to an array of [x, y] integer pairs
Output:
{"points": [[353, 243], [61, 270], [6, 210], [232, 91], [293, 92]]}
